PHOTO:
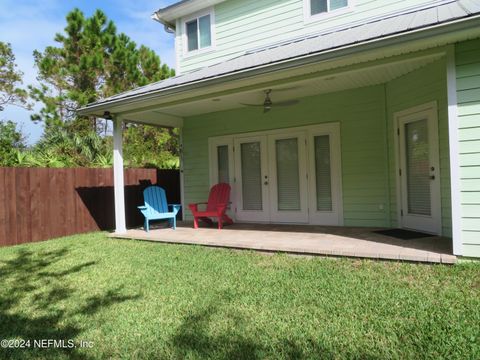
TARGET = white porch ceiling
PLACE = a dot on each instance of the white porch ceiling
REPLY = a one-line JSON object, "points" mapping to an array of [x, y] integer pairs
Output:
{"points": [[316, 84]]}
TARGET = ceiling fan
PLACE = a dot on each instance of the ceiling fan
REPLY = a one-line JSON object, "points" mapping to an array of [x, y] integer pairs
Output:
{"points": [[268, 103]]}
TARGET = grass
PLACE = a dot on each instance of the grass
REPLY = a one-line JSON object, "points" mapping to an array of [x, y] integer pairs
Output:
{"points": [[138, 300]]}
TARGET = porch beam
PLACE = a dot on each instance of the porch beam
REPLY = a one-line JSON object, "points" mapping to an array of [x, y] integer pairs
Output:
{"points": [[153, 117], [453, 137], [118, 181]]}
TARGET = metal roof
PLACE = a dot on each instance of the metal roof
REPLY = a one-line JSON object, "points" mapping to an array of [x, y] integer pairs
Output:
{"points": [[354, 34]]}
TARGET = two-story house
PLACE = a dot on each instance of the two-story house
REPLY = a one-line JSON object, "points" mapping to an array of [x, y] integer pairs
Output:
{"points": [[326, 112]]}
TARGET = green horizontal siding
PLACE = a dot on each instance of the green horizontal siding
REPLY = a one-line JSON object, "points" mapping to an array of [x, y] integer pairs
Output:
{"points": [[368, 153], [419, 87], [242, 25], [467, 58], [363, 150]]}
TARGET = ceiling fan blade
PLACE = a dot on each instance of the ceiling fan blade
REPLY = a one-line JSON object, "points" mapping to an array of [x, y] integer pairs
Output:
{"points": [[286, 103], [256, 105]]}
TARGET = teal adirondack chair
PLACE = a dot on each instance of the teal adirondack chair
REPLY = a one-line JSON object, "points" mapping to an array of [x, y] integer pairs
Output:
{"points": [[156, 207]]}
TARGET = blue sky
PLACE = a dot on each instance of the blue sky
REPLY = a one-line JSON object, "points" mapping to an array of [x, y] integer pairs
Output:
{"points": [[31, 25]]}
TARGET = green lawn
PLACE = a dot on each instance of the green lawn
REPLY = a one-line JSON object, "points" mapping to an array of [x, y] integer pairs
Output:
{"points": [[139, 300]]}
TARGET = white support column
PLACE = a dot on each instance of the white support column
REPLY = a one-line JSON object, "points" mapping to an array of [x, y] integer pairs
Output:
{"points": [[120, 224], [453, 125], [182, 181]]}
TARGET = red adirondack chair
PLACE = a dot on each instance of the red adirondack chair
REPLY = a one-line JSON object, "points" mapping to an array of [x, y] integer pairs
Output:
{"points": [[217, 204]]}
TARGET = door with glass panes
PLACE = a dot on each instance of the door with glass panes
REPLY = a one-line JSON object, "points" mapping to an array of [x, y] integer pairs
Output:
{"points": [[419, 173], [282, 177]]}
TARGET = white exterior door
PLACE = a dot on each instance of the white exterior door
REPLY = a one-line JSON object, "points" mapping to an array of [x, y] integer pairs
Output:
{"points": [[282, 176], [288, 178], [251, 179], [419, 173], [325, 175]]}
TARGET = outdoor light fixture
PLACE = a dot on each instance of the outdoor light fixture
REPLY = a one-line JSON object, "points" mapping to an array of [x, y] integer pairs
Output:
{"points": [[107, 115]]}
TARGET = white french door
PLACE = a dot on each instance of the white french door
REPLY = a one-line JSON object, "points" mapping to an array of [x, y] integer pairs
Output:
{"points": [[288, 180], [251, 179], [282, 176], [419, 175], [325, 185]]}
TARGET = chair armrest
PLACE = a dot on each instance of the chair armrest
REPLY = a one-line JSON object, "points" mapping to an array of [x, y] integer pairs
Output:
{"points": [[194, 206], [221, 208], [176, 207]]}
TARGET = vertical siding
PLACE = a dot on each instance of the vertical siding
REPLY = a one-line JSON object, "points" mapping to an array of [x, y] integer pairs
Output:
{"points": [[243, 25], [43, 203], [417, 88], [467, 56]]}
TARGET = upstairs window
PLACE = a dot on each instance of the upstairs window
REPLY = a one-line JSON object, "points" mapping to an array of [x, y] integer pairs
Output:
{"points": [[326, 6], [199, 33]]}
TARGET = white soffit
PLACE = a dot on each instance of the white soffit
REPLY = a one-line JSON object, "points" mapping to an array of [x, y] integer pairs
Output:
{"points": [[320, 84]]}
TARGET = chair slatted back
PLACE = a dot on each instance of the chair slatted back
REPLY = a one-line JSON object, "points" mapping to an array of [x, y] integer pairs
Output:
{"points": [[219, 194], [155, 200]]}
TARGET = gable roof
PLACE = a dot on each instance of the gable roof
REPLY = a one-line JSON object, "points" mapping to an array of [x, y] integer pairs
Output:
{"points": [[330, 41]]}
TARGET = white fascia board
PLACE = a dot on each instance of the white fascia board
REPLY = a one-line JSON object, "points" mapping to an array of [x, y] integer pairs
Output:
{"points": [[414, 41], [170, 14]]}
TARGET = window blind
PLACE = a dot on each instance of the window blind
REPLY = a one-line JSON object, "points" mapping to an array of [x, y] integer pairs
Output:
{"points": [[223, 171], [323, 177], [288, 186], [251, 176], [418, 168]]}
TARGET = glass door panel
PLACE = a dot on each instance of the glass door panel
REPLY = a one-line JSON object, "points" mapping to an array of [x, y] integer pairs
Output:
{"points": [[417, 167], [288, 188], [323, 173], [250, 155], [419, 176], [251, 179], [325, 180]]}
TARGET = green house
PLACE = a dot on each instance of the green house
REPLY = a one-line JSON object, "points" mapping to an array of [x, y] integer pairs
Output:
{"points": [[323, 112]]}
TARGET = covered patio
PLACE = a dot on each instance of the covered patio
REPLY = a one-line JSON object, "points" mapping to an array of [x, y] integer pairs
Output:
{"points": [[336, 154], [310, 240]]}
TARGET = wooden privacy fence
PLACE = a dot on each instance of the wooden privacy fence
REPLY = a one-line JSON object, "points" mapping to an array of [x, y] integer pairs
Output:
{"points": [[39, 203]]}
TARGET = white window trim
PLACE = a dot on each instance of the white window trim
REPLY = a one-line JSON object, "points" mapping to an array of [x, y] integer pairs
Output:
{"points": [[308, 17], [186, 53]]}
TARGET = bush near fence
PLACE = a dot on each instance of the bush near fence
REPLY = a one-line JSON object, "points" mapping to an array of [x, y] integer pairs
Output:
{"points": [[43, 203]]}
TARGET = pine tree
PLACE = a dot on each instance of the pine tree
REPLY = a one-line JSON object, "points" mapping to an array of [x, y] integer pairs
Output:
{"points": [[92, 61], [10, 80]]}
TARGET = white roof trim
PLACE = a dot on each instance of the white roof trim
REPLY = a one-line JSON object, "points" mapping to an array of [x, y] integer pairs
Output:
{"points": [[169, 14]]}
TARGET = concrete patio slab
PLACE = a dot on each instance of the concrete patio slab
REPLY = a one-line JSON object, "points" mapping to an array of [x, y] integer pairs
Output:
{"points": [[305, 239]]}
